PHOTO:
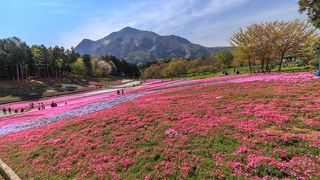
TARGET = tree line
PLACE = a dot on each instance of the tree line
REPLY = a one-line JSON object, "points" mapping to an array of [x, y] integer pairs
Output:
{"points": [[262, 47], [268, 43], [182, 66], [18, 61]]}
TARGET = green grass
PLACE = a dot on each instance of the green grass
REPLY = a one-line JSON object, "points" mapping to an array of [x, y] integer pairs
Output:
{"points": [[244, 70], [13, 91]]}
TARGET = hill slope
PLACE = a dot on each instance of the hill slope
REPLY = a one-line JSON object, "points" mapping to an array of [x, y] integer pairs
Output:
{"points": [[137, 46]]}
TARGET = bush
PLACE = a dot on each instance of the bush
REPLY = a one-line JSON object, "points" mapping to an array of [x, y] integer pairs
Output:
{"points": [[315, 62], [175, 68], [207, 69]]}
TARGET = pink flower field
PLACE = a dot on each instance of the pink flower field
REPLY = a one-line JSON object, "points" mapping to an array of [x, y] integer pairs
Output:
{"points": [[246, 126]]}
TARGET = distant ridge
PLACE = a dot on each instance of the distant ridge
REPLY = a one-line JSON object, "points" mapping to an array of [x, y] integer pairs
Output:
{"points": [[138, 46]]}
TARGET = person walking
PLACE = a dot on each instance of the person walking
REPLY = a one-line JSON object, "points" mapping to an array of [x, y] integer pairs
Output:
{"points": [[118, 92], [4, 110], [43, 106], [9, 110]]}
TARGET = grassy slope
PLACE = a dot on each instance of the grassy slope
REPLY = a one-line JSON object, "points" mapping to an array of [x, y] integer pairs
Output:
{"points": [[245, 70], [249, 129], [11, 91]]}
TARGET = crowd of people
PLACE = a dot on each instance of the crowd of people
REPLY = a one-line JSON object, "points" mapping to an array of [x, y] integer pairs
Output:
{"points": [[41, 106], [9, 110]]}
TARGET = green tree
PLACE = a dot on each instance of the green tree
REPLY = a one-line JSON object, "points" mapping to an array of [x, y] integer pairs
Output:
{"points": [[175, 68], [270, 41], [78, 67], [87, 64], [312, 7], [225, 57], [15, 57], [154, 71]]}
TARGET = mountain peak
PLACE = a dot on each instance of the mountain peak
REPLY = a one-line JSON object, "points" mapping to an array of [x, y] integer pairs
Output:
{"points": [[140, 46], [129, 29], [128, 33]]}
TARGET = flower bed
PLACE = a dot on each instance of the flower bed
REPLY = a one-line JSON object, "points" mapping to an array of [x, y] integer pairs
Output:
{"points": [[264, 127]]}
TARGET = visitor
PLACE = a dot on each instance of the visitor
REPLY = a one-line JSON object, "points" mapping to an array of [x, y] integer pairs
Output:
{"points": [[238, 72], [32, 105], [39, 106], [122, 91], [9, 110], [22, 110], [43, 106], [225, 72], [4, 111], [16, 111], [52, 104], [118, 92]]}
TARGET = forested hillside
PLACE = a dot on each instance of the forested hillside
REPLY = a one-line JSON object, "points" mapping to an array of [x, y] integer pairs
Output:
{"points": [[20, 61]]}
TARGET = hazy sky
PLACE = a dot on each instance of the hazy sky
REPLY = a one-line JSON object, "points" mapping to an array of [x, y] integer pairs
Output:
{"points": [[67, 22]]}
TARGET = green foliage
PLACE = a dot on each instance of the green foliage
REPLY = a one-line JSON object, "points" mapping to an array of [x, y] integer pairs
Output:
{"points": [[87, 64], [269, 170], [312, 7], [97, 72], [265, 43], [154, 71], [316, 48], [224, 58], [78, 67], [175, 68], [19, 61], [180, 67], [121, 67]]}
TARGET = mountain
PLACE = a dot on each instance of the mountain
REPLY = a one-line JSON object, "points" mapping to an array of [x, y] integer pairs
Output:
{"points": [[137, 46]]}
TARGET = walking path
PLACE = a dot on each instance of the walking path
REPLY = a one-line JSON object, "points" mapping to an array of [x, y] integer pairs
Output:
{"points": [[83, 110]]}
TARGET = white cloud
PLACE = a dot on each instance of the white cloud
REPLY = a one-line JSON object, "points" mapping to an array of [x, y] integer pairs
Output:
{"points": [[164, 17], [58, 7], [219, 33]]}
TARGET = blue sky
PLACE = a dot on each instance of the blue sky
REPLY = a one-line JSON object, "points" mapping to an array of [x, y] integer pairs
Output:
{"points": [[67, 22]]}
